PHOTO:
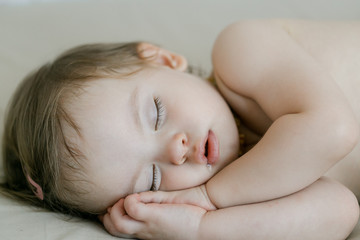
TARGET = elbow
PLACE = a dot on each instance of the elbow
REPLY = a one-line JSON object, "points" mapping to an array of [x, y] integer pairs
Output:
{"points": [[349, 132], [346, 135]]}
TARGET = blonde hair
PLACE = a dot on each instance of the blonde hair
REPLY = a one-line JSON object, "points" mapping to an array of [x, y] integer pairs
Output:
{"points": [[34, 143]]}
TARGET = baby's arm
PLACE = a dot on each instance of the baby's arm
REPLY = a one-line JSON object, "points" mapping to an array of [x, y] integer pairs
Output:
{"points": [[266, 76], [324, 210]]}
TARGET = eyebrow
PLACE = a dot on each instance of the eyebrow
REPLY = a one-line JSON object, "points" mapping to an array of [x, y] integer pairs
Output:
{"points": [[135, 106]]}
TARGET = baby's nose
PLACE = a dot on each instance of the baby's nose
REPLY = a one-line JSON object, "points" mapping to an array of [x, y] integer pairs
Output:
{"points": [[178, 148]]}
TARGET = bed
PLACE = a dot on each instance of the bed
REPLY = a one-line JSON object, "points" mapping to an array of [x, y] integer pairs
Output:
{"points": [[34, 31]]}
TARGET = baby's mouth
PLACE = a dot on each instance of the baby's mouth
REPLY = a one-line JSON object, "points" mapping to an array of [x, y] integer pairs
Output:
{"points": [[206, 148], [209, 149], [208, 165], [212, 148]]}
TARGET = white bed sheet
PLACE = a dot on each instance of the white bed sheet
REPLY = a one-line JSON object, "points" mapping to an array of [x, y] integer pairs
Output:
{"points": [[34, 31]]}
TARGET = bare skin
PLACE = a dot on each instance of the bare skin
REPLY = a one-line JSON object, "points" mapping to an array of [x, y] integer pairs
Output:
{"points": [[343, 64], [310, 102], [324, 210], [335, 47], [295, 85]]}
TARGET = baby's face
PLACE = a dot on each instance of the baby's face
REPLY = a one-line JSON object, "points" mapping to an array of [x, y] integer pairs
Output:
{"points": [[158, 130]]}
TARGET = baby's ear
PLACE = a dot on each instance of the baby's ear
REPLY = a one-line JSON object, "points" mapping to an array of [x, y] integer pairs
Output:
{"points": [[161, 56]]}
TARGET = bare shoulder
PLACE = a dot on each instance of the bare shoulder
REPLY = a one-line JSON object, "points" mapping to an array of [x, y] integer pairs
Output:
{"points": [[246, 49], [237, 57], [289, 64], [243, 48], [250, 58]]}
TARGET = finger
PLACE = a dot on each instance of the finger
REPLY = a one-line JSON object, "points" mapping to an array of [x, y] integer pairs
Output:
{"points": [[113, 229], [119, 206], [155, 197], [137, 209], [119, 222], [109, 225], [165, 197], [101, 216]]}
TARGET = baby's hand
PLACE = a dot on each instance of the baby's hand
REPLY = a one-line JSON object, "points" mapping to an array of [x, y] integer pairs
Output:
{"points": [[132, 218], [196, 196]]}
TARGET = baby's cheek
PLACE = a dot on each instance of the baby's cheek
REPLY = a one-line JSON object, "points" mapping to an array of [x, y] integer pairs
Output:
{"points": [[178, 180]]}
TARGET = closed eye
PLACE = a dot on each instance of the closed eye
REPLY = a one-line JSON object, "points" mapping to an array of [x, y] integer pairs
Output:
{"points": [[156, 178], [160, 112]]}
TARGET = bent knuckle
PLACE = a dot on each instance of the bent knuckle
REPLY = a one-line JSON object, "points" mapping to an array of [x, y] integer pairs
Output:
{"points": [[121, 228], [132, 207]]}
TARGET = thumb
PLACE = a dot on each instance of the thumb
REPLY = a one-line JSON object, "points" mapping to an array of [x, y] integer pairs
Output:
{"points": [[157, 197], [196, 196], [138, 209]]}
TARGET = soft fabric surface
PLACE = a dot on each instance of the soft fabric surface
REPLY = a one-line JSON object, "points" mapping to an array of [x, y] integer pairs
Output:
{"points": [[35, 31]]}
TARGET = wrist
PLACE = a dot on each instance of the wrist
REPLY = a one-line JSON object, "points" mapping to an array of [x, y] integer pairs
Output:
{"points": [[213, 194], [205, 195]]}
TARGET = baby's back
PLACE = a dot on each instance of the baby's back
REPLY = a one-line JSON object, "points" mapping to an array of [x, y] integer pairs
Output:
{"points": [[336, 47]]}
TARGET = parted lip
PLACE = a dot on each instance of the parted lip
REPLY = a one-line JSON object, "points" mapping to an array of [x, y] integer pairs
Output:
{"points": [[209, 149]]}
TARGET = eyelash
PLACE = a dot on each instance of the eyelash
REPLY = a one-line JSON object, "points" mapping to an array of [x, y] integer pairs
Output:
{"points": [[160, 109], [160, 112], [155, 183]]}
